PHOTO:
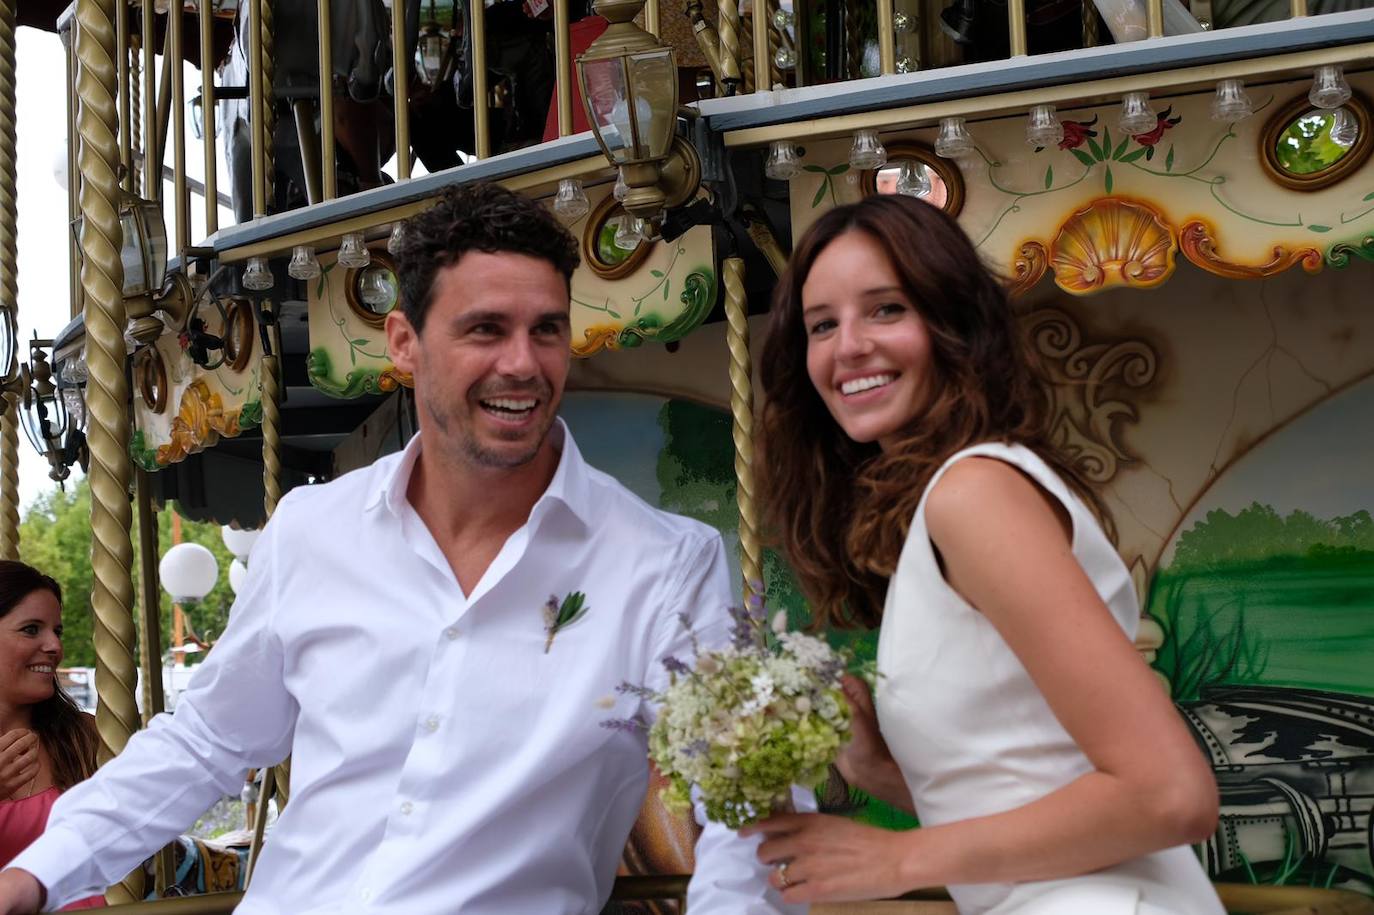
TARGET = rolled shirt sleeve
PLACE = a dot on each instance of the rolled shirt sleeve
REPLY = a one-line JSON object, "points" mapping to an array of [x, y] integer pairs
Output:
{"points": [[235, 714], [729, 879]]}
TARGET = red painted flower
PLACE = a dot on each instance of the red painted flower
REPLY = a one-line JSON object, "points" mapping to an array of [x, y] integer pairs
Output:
{"points": [[1154, 136], [1077, 132]]}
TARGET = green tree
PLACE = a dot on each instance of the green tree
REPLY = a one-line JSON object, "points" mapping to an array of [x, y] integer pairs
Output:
{"points": [[55, 536]]}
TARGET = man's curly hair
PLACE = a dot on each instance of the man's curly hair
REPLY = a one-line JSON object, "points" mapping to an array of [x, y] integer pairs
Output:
{"points": [[475, 217]]}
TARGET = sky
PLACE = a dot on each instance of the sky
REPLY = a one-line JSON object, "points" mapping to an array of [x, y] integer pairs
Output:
{"points": [[41, 124]]}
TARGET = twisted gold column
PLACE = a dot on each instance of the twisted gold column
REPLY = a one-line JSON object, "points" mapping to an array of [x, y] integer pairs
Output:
{"points": [[727, 23], [742, 416], [135, 114], [271, 431], [107, 392], [9, 280], [269, 104]]}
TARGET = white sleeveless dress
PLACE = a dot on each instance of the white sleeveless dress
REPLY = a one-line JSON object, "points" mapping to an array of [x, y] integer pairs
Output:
{"points": [[973, 736]]}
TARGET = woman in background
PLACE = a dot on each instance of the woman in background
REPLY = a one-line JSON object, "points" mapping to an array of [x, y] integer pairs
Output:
{"points": [[47, 744], [910, 475]]}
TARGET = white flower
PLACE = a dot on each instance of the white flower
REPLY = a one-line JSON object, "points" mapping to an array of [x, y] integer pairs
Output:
{"points": [[780, 622]]}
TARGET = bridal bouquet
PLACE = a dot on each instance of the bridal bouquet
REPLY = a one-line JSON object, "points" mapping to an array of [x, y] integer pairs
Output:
{"points": [[746, 722]]}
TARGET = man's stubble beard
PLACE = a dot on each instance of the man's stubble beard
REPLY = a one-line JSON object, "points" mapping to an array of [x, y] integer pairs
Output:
{"points": [[471, 452]]}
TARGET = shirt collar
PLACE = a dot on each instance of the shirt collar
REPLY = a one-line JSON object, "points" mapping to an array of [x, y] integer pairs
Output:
{"points": [[571, 483]]}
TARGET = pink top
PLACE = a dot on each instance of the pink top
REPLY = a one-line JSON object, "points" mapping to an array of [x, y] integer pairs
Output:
{"points": [[24, 820]]}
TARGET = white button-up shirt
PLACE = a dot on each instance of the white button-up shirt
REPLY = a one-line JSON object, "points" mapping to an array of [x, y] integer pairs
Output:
{"points": [[442, 761]]}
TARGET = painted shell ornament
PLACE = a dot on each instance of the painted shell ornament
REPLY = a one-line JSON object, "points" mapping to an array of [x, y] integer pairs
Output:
{"points": [[1113, 242]]}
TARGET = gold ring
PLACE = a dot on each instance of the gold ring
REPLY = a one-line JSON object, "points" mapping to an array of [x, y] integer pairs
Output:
{"points": [[782, 875]]}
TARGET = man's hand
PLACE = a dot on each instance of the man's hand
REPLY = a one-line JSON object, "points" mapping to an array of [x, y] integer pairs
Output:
{"points": [[20, 892], [18, 761]]}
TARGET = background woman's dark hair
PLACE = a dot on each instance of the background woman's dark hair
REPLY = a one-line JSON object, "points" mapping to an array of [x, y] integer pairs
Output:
{"points": [[475, 217], [67, 733], [842, 509]]}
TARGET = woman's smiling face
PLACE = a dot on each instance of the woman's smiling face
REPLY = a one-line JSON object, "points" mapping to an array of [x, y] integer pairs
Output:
{"points": [[868, 350], [30, 649]]}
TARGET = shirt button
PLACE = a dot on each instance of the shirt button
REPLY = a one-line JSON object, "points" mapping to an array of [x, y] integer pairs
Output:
{"points": [[432, 723], [451, 632], [407, 808]]}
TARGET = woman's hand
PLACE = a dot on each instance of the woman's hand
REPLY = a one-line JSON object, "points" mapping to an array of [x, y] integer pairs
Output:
{"points": [[866, 762], [18, 761], [818, 858]]}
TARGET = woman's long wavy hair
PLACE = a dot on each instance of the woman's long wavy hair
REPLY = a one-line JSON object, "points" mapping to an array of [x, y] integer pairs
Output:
{"points": [[841, 509], [66, 732]]}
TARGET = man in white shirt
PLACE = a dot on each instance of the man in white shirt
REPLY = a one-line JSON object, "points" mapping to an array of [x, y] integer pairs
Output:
{"points": [[448, 753]]}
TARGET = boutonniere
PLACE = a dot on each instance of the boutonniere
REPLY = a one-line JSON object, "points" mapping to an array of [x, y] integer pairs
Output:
{"points": [[558, 616]]}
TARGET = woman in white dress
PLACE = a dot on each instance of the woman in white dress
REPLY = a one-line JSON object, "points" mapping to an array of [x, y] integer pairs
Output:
{"points": [[910, 476]]}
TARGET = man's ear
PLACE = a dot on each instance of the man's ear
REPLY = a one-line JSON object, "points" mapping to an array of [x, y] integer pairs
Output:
{"points": [[402, 342]]}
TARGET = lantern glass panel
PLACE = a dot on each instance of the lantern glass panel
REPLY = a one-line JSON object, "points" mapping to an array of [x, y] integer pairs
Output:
{"points": [[45, 421], [156, 231], [9, 342], [653, 83], [131, 254], [607, 92]]}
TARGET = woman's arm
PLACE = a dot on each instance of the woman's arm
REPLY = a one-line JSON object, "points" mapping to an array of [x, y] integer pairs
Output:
{"points": [[1005, 546], [865, 762]]}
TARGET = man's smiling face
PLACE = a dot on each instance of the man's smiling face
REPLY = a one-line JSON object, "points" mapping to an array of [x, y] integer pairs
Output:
{"points": [[491, 359]]}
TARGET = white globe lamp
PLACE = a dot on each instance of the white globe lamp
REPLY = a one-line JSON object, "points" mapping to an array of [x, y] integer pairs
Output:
{"points": [[237, 573], [188, 572], [238, 542]]}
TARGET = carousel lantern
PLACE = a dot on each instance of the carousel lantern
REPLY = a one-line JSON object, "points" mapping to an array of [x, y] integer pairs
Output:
{"points": [[304, 265], [571, 202], [1231, 102], [430, 53], [43, 411], [782, 164], [629, 90], [143, 248], [238, 542], [257, 276], [914, 180], [1137, 116], [954, 139], [188, 572], [237, 573], [353, 252], [1043, 127], [867, 151], [1329, 88]]}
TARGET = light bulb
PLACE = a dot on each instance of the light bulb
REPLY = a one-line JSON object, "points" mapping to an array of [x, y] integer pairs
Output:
{"points": [[1329, 88], [1137, 116], [375, 291], [303, 264], [914, 180], [1231, 102], [782, 19], [901, 23], [629, 232], [954, 139], [393, 241], [353, 251], [782, 163], [867, 151], [571, 202], [1043, 127], [1345, 129], [257, 276], [785, 57], [621, 188]]}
